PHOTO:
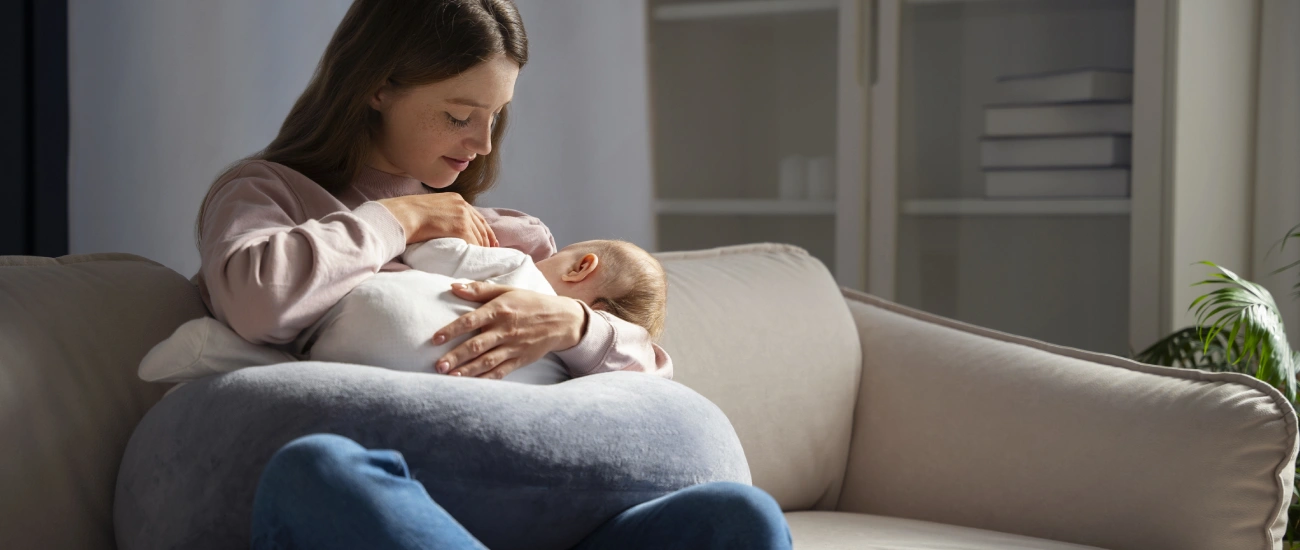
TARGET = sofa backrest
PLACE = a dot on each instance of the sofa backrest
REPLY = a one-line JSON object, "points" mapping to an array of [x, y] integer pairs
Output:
{"points": [[763, 331], [72, 333]]}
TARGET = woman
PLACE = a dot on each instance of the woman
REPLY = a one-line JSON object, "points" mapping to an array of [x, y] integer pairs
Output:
{"points": [[389, 145]]}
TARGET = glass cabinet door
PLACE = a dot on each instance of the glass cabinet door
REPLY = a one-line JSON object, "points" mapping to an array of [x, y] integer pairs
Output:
{"points": [[745, 102], [1001, 150]]}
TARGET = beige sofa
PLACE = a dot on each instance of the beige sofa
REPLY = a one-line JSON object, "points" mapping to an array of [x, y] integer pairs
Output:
{"points": [[875, 426]]}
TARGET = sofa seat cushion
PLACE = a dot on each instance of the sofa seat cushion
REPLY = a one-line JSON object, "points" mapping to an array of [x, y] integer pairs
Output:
{"points": [[846, 531], [519, 465]]}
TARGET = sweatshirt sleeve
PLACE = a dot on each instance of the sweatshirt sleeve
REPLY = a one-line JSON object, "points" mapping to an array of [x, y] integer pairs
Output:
{"points": [[612, 344], [269, 276], [517, 230]]}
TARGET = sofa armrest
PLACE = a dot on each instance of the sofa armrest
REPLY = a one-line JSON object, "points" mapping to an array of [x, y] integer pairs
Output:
{"points": [[968, 426]]}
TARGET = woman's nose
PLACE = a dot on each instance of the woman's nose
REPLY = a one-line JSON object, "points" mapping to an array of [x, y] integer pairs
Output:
{"points": [[480, 140]]}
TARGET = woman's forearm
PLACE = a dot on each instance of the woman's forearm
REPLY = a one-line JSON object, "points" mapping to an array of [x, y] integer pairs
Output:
{"points": [[612, 344], [269, 277], [270, 287]]}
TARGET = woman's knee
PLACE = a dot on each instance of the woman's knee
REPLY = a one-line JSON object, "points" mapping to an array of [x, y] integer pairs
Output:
{"points": [[313, 453], [332, 460], [744, 509], [296, 476], [735, 496], [313, 465]]}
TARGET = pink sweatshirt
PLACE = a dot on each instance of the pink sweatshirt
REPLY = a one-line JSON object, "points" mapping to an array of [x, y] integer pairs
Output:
{"points": [[278, 251]]}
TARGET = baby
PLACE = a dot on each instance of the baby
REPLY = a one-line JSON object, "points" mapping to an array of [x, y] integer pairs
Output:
{"points": [[389, 319]]}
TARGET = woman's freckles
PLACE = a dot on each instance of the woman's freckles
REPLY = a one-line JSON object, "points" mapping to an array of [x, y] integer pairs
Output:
{"points": [[428, 121]]}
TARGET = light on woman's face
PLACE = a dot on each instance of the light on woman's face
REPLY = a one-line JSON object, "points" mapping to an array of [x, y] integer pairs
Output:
{"points": [[433, 132]]}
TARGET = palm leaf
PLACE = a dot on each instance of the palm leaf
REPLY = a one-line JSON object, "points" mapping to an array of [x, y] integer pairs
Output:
{"points": [[1293, 233], [1253, 325], [1185, 349]]}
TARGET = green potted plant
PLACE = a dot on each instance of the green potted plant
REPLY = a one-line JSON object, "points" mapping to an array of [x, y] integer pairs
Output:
{"points": [[1238, 329]]}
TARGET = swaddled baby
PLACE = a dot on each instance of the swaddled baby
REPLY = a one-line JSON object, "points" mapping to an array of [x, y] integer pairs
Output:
{"points": [[389, 319]]}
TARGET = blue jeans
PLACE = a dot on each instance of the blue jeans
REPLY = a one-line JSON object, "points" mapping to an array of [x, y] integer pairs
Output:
{"points": [[325, 491]]}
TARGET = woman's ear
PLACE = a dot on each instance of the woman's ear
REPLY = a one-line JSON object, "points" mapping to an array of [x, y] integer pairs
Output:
{"points": [[380, 98], [585, 266]]}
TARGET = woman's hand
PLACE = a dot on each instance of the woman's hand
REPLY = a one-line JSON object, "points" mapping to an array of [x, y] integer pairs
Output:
{"points": [[517, 327], [437, 215]]}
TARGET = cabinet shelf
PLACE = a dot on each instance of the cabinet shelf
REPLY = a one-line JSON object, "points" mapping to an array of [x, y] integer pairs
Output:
{"points": [[716, 10], [989, 207], [747, 207]]}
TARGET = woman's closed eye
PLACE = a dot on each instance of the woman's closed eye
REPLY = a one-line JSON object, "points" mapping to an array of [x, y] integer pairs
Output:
{"points": [[456, 122], [461, 123]]}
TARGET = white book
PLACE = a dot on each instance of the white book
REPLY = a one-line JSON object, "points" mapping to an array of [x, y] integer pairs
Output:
{"points": [[1055, 151], [1066, 86], [1063, 118], [1056, 184]]}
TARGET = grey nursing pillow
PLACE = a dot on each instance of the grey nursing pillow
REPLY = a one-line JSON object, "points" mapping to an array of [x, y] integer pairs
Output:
{"points": [[520, 466]]}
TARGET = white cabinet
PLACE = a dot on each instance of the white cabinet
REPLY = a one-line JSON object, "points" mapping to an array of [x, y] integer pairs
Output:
{"points": [[1109, 274], [758, 126], [898, 91], [1046, 267]]}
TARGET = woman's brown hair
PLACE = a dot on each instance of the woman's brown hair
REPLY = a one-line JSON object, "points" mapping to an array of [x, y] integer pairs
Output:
{"points": [[330, 130]]}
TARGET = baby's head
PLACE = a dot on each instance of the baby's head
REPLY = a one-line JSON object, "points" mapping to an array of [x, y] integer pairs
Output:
{"points": [[613, 276]]}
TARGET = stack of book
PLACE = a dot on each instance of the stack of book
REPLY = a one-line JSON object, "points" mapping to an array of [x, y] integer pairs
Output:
{"points": [[1059, 135]]}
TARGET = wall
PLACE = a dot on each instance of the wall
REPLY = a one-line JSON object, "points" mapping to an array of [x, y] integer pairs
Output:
{"points": [[164, 95], [577, 153]]}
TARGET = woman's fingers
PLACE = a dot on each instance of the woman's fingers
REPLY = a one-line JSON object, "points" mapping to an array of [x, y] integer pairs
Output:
{"points": [[484, 229], [480, 291], [483, 363], [521, 325], [491, 235], [437, 215], [480, 228], [470, 227], [464, 324], [488, 314], [506, 367], [467, 350]]}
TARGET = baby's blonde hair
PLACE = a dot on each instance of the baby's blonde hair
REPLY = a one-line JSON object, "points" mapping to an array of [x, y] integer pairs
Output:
{"points": [[635, 287]]}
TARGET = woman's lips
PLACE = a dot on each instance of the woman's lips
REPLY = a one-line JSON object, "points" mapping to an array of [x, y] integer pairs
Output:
{"points": [[456, 164]]}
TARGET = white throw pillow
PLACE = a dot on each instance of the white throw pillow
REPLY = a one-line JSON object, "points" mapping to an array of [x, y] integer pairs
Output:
{"points": [[205, 346]]}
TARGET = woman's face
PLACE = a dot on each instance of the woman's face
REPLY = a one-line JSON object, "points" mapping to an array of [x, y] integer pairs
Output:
{"points": [[432, 132]]}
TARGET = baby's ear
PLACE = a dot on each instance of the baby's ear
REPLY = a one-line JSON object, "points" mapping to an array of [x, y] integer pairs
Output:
{"points": [[581, 269], [599, 304]]}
